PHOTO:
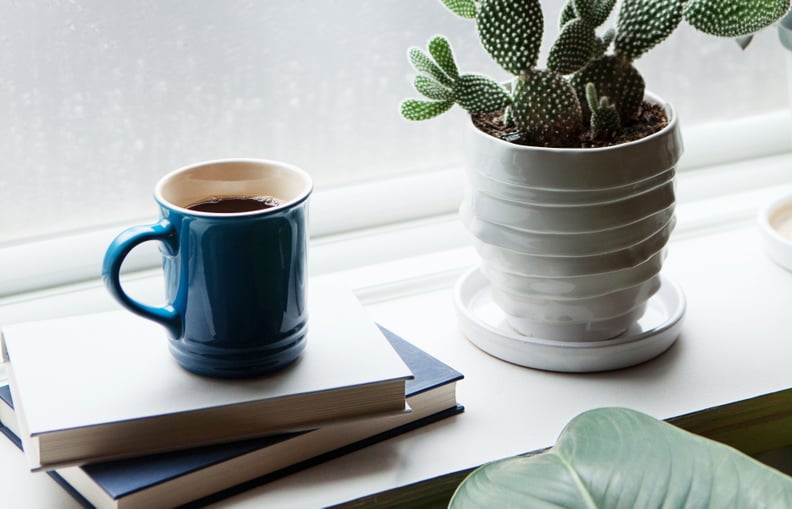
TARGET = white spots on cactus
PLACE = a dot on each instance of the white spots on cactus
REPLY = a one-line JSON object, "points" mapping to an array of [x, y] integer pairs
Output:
{"points": [[643, 24], [593, 12], [414, 109], [576, 45], [464, 8], [442, 83], [546, 108], [567, 14], [431, 89], [440, 50], [480, 94], [605, 120], [511, 32], [615, 78], [733, 18], [424, 64], [600, 11]]}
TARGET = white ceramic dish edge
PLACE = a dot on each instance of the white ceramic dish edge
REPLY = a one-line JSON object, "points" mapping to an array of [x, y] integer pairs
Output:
{"points": [[653, 334], [777, 246]]}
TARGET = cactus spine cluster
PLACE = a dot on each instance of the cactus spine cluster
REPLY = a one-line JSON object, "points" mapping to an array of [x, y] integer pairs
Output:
{"points": [[585, 82]]}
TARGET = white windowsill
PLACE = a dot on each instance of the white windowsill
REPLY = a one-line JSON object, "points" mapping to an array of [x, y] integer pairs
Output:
{"points": [[733, 346], [404, 272]]}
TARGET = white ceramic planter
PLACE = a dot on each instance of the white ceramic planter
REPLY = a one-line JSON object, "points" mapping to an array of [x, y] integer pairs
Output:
{"points": [[572, 240], [784, 27]]}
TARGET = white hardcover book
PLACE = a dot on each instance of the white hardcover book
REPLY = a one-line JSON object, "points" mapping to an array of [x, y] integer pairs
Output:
{"points": [[104, 386]]}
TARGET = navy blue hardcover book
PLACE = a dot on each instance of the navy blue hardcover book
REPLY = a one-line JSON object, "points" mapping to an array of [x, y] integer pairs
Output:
{"points": [[190, 476]]}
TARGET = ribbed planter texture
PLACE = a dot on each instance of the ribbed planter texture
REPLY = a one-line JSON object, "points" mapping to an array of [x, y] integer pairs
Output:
{"points": [[572, 241]]}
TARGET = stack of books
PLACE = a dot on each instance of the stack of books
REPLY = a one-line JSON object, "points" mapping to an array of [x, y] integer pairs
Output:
{"points": [[98, 403]]}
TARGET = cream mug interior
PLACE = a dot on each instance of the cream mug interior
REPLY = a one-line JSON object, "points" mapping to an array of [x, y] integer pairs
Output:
{"points": [[233, 179]]}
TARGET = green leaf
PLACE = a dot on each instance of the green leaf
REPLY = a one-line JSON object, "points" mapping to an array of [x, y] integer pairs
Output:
{"points": [[643, 24], [615, 457], [423, 63], [479, 94], [511, 32], [431, 89], [443, 56], [464, 8], [733, 18], [575, 46], [414, 109]]}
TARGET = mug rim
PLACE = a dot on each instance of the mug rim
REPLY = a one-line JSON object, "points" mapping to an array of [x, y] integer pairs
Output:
{"points": [[303, 196]]}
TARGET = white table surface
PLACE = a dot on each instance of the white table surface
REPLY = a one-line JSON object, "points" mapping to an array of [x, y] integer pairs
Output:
{"points": [[736, 343]]}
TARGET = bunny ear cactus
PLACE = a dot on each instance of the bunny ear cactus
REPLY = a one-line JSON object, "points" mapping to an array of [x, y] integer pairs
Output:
{"points": [[605, 120], [551, 106], [444, 86], [544, 105], [642, 24], [733, 18], [577, 41]]}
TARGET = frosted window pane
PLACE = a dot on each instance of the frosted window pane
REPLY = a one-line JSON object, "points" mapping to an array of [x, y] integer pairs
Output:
{"points": [[100, 98]]}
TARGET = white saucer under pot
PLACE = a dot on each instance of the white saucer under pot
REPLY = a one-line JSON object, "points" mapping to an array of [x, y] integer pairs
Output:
{"points": [[537, 196], [569, 218], [593, 330], [655, 328], [552, 317], [525, 241], [577, 287]]}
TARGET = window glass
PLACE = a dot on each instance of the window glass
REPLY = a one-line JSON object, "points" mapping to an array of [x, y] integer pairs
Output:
{"points": [[99, 98]]}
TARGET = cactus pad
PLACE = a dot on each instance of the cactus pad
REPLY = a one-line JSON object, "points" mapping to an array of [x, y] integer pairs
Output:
{"points": [[567, 14], [733, 18], [601, 10], [615, 78], [413, 109], [576, 45], [431, 89], [442, 83], [511, 32], [593, 12], [443, 56], [463, 8], [423, 63], [645, 23], [605, 121], [546, 108], [479, 94]]}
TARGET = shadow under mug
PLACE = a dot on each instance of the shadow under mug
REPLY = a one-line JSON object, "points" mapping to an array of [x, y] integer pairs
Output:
{"points": [[235, 282]]}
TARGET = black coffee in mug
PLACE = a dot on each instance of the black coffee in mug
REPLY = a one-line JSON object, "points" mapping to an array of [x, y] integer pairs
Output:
{"points": [[233, 204]]}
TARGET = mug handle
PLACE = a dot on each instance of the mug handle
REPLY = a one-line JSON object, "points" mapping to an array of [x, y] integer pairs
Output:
{"points": [[114, 257]]}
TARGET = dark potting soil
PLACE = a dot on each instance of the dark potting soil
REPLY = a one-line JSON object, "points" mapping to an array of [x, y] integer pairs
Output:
{"points": [[651, 119]]}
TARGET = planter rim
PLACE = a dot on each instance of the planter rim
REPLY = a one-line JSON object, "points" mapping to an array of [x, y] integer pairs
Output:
{"points": [[648, 96], [570, 169]]}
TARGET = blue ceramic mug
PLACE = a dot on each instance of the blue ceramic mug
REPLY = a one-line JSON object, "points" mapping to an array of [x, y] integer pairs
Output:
{"points": [[233, 237]]}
